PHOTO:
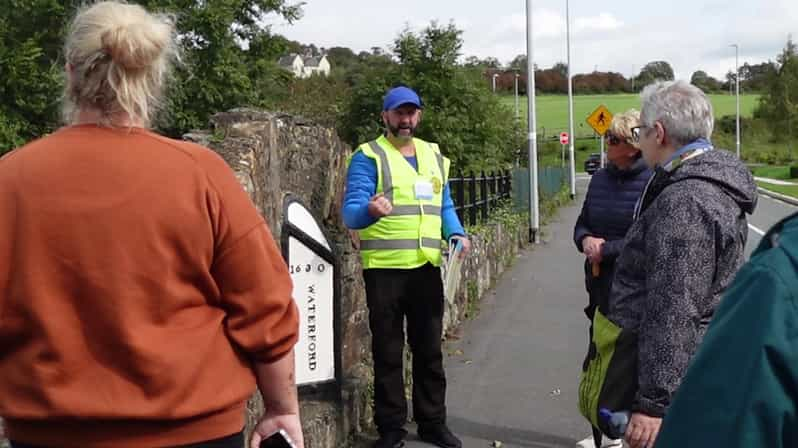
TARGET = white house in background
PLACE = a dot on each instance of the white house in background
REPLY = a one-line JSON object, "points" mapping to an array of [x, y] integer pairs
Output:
{"points": [[307, 66], [317, 65], [293, 63]]}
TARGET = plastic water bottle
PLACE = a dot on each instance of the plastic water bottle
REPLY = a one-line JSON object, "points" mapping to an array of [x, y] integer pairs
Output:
{"points": [[616, 422]]}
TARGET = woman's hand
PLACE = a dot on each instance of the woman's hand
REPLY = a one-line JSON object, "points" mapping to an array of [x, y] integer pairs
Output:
{"points": [[270, 424], [591, 246], [642, 431]]}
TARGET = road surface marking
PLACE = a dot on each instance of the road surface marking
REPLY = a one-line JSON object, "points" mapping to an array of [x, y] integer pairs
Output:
{"points": [[756, 229]]}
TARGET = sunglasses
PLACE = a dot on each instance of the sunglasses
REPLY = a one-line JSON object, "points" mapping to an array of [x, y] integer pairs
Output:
{"points": [[613, 139]]}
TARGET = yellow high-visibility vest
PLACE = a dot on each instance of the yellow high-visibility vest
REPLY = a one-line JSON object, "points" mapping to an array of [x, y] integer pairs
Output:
{"points": [[411, 235]]}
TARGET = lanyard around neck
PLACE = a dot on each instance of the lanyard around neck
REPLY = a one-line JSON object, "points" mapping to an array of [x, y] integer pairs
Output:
{"points": [[686, 152]]}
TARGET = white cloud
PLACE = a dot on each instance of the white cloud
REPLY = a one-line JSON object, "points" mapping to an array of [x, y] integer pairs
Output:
{"points": [[545, 23], [601, 22]]}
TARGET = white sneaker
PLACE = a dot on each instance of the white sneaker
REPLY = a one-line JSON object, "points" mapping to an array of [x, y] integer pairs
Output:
{"points": [[605, 443]]}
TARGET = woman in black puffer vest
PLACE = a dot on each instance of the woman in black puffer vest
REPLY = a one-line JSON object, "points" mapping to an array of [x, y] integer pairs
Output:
{"points": [[609, 206], [606, 216]]}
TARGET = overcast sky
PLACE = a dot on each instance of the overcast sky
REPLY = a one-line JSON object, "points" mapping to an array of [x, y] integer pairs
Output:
{"points": [[613, 35]]}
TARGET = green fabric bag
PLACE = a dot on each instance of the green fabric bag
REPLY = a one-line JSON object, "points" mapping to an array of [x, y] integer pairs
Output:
{"points": [[609, 373]]}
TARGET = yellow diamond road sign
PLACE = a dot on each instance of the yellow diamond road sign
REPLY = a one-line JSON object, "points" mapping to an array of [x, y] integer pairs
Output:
{"points": [[600, 120]]}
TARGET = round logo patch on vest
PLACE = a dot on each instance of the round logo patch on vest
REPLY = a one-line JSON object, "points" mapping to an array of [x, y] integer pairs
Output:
{"points": [[436, 185]]}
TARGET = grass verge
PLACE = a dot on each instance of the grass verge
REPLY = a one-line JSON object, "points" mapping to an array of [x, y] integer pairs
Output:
{"points": [[789, 190]]}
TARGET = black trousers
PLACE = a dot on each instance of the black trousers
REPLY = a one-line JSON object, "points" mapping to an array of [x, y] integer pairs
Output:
{"points": [[232, 441], [393, 295]]}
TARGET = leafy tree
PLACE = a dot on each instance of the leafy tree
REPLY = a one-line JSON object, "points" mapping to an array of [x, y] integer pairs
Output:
{"points": [[219, 74], [229, 61], [705, 82], [654, 71], [30, 68], [562, 69], [519, 62], [472, 62], [754, 78], [778, 104], [474, 129], [319, 98], [342, 59], [730, 82], [600, 82], [489, 62]]}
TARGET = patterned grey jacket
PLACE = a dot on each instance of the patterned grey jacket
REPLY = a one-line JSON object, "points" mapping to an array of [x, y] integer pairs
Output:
{"points": [[681, 253]]}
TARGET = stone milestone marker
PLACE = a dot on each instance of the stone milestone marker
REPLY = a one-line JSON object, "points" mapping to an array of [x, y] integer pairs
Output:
{"points": [[315, 273]]}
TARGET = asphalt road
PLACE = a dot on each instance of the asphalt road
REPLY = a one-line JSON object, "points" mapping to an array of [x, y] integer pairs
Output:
{"points": [[768, 212]]}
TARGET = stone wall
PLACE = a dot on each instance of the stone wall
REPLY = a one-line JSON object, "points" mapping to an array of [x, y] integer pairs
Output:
{"points": [[274, 155], [494, 247]]}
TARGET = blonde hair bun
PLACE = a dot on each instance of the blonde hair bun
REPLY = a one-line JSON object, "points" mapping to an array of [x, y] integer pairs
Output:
{"points": [[136, 46], [119, 56]]}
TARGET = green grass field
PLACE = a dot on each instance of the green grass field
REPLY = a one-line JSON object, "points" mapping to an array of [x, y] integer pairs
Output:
{"points": [[552, 110], [789, 190], [773, 172]]}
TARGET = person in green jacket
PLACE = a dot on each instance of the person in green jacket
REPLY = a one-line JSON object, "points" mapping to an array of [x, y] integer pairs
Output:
{"points": [[741, 391]]}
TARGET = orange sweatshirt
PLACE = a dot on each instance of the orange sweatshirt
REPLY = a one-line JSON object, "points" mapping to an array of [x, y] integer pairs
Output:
{"points": [[137, 284]]}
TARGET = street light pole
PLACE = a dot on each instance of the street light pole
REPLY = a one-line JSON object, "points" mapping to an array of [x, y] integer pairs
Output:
{"points": [[517, 115], [532, 138], [737, 82], [570, 101]]}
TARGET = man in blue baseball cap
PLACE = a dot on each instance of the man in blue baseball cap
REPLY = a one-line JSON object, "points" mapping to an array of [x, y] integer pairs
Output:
{"points": [[397, 197], [401, 113], [399, 96]]}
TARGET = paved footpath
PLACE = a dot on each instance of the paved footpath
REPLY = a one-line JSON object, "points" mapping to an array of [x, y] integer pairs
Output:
{"points": [[513, 375]]}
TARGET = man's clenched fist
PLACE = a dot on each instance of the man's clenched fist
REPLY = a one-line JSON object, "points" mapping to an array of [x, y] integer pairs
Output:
{"points": [[379, 206]]}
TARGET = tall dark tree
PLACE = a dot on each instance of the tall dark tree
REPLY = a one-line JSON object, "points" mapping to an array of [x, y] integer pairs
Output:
{"points": [[754, 77], [474, 129], [654, 71], [778, 104], [31, 38], [342, 58], [705, 82], [519, 62], [561, 68], [218, 74]]}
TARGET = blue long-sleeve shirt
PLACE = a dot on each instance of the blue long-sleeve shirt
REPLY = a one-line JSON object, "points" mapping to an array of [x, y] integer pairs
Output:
{"points": [[361, 185]]}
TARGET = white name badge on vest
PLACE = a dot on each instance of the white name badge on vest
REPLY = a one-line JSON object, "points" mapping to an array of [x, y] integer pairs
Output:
{"points": [[424, 190]]}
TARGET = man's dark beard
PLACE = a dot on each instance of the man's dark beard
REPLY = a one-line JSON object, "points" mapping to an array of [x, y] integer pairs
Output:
{"points": [[395, 131]]}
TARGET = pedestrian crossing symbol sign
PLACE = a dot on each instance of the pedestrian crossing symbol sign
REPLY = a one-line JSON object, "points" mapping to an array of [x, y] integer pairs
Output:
{"points": [[600, 120]]}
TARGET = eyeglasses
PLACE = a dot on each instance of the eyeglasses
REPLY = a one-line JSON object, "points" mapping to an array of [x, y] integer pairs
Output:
{"points": [[636, 132]]}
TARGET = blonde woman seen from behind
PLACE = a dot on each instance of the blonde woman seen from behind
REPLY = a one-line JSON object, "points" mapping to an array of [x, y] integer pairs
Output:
{"points": [[144, 298]]}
